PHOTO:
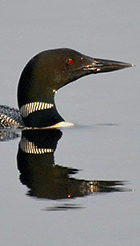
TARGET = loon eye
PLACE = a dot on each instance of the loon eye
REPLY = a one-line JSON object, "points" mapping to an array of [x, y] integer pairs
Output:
{"points": [[70, 61]]}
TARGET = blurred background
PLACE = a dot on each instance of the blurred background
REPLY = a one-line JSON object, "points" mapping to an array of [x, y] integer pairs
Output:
{"points": [[105, 109]]}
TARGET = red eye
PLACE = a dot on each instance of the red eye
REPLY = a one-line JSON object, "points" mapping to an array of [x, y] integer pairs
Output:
{"points": [[70, 61]]}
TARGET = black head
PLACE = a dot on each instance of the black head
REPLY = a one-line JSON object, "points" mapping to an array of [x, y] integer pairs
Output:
{"points": [[50, 70]]}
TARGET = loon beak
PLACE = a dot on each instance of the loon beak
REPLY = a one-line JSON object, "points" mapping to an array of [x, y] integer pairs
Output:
{"points": [[102, 66]]}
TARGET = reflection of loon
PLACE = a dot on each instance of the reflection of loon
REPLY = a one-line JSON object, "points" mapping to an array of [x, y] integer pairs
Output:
{"points": [[42, 77], [45, 179]]}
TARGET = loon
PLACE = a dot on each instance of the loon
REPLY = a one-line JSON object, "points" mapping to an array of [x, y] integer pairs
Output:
{"points": [[43, 75]]}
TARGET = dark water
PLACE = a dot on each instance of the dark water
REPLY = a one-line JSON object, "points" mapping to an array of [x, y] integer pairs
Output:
{"points": [[85, 190]]}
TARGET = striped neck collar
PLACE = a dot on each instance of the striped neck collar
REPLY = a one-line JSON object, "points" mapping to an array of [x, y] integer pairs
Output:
{"points": [[30, 148], [29, 108]]}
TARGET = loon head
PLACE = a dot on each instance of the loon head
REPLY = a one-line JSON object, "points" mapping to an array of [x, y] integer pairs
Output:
{"points": [[48, 71]]}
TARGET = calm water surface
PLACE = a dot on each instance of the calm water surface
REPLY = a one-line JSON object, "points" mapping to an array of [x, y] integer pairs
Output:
{"points": [[85, 191]]}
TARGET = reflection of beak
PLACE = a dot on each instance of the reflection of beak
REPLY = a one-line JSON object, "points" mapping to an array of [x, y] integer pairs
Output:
{"points": [[101, 65]]}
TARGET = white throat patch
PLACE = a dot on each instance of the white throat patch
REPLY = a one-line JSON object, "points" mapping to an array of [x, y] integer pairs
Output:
{"points": [[29, 108]]}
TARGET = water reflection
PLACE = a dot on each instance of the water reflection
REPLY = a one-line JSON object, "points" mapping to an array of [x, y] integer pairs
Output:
{"points": [[8, 134], [44, 178], [47, 180]]}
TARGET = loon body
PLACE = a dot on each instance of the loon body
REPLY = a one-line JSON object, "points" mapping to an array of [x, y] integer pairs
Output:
{"points": [[43, 75]]}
